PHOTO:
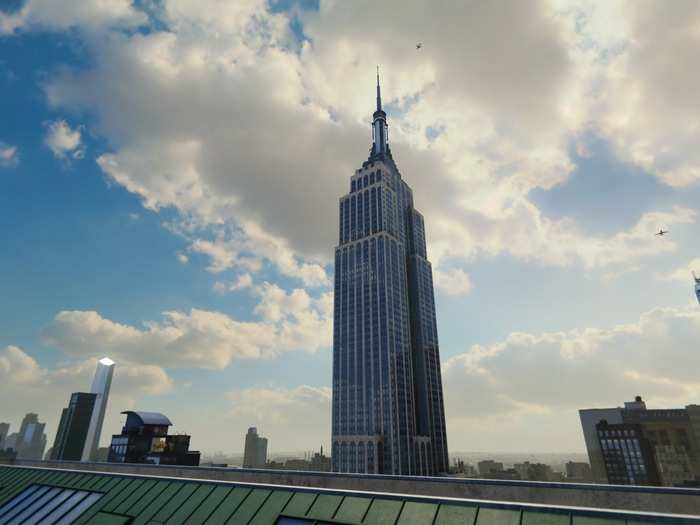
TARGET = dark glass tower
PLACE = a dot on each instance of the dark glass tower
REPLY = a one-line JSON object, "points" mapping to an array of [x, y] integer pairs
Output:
{"points": [[388, 413], [73, 428]]}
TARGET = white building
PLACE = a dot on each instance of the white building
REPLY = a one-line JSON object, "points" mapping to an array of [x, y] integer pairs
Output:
{"points": [[100, 386]]}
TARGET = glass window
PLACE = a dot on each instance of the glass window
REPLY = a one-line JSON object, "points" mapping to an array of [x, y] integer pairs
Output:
{"points": [[51, 505], [158, 444]]}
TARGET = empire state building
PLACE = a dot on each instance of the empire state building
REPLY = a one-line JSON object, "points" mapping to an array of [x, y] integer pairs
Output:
{"points": [[388, 411]]}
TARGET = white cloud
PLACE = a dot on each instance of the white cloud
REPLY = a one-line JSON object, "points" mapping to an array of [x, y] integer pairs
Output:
{"points": [[200, 338], [183, 258], [86, 14], [46, 391], [247, 252], [453, 282], [552, 375], [276, 410], [245, 280], [257, 139], [63, 141], [647, 100], [684, 273], [9, 156]]}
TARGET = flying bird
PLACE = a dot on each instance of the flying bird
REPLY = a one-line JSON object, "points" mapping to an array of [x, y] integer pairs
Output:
{"points": [[419, 45], [662, 232]]}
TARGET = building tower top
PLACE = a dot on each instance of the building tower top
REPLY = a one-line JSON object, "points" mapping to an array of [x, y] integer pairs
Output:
{"points": [[380, 130], [379, 93]]}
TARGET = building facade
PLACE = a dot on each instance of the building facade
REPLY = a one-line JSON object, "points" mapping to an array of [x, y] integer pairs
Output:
{"points": [[578, 472], [534, 471], [101, 385], [627, 454], [30, 441], [145, 439], [4, 430], [672, 437], [72, 432], [388, 411], [255, 451]]}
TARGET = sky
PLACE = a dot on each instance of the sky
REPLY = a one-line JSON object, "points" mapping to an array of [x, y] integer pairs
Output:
{"points": [[169, 181]]}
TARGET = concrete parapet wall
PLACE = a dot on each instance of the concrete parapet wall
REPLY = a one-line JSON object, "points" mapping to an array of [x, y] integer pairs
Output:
{"points": [[646, 499]]}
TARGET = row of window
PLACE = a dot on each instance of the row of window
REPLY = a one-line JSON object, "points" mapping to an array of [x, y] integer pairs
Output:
{"points": [[363, 182], [363, 214]]}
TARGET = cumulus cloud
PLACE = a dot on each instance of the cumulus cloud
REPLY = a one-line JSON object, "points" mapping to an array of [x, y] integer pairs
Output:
{"points": [[63, 141], [648, 105], [200, 338], [86, 14], [234, 250], [9, 156], [453, 282], [256, 137], [274, 410], [245, 280], [552, 375], [46, 391], [683, 273]]}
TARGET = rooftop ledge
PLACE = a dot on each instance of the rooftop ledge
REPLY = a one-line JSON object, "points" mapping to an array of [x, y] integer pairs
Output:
{"points": [[630, 502]]}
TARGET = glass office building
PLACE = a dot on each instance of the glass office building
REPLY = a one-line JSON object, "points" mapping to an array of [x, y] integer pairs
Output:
{"points": [[388, 414], [69, 443]]}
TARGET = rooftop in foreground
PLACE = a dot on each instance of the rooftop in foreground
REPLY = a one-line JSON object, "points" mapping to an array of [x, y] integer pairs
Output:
{"points": [[81, 497]]}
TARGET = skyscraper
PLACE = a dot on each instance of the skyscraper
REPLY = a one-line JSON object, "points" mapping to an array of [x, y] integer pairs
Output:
{"points": [[100, 386], [31, 440], [255, 451], [388, 414], [71, 436]]}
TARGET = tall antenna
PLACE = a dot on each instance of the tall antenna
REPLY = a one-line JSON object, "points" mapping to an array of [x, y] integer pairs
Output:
{"points": [[379, 93]]}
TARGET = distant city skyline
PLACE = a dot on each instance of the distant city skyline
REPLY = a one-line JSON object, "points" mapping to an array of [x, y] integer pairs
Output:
{"points": [[169, 188]]}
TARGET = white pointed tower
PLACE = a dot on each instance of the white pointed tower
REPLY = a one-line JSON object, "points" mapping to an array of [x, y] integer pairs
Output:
{"points": [[100, 386]]}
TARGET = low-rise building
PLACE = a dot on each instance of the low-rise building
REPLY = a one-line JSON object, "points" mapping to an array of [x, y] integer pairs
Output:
{"points": [[666, 440], [534, 471], [489, 467], [578, 472], [145, 439]]}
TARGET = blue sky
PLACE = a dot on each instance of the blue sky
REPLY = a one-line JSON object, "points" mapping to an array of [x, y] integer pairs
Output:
{"points": [[169, 179]]}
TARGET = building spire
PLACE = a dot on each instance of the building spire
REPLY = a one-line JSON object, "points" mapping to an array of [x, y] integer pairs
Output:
{"points": [[379, 93], [380, 131]]}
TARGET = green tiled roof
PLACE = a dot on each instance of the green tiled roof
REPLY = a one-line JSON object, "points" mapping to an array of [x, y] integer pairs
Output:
{"points": [[126, 499]]}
